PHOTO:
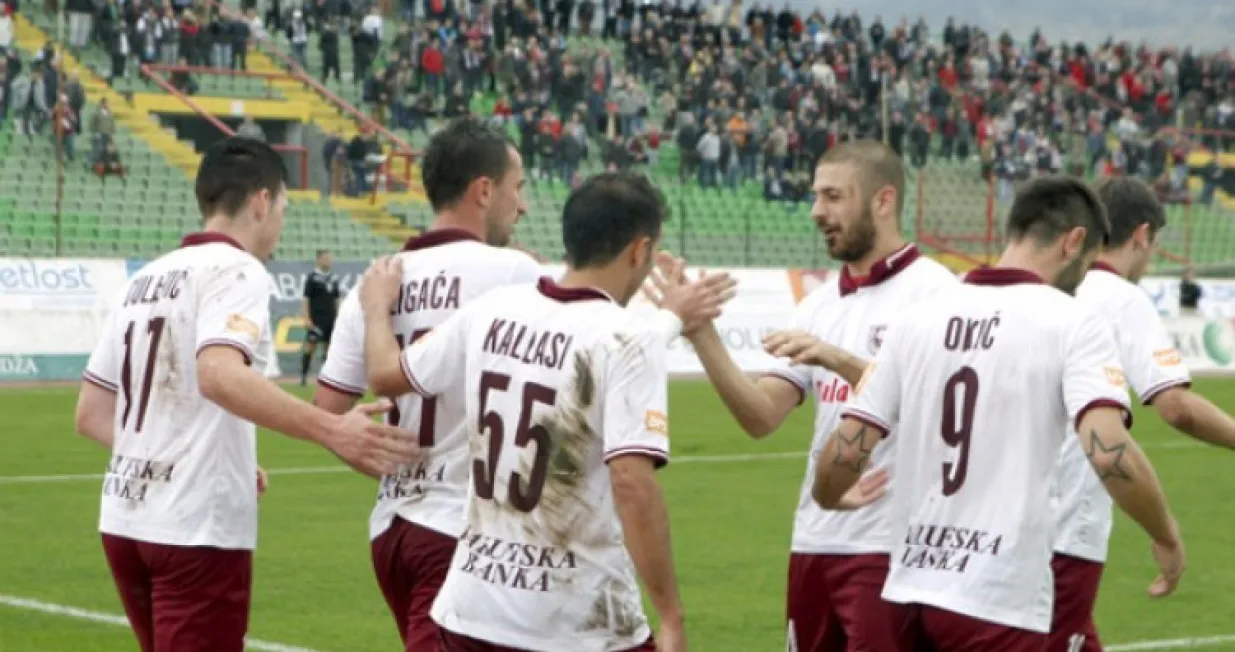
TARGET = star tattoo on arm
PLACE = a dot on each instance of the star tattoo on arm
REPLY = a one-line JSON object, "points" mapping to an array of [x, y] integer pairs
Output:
{"points": [[852, 453], [1107, 462]]}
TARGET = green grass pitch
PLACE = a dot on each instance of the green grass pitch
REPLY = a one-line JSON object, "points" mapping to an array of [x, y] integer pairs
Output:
{"points": [[731, 519]]}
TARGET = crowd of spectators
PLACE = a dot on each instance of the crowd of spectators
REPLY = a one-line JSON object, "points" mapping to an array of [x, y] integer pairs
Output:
{"points": [[747, 92]]}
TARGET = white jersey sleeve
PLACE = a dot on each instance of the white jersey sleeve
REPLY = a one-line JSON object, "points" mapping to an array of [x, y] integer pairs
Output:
{"points": [[636, 419], [877, 398], [234, 303], [1151, 361], [344, 369], [103, 368], [1093, 375], [437, 362], [796, 374]]}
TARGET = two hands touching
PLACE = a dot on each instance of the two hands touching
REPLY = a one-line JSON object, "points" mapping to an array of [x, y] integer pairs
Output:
{"points": [[698, 302]]}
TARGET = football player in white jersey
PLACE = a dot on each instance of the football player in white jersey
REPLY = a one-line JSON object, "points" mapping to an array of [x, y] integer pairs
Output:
{"points": [[566, 417], [473, 176], [174, 388], [980, 384], [1155, 372], [838, 559]]}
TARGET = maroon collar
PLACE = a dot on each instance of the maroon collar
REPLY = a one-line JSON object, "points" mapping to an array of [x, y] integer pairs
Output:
{"points": [[438, 237], [880, 271], [1104, 267], [552, 290], [998, 276], [209, 237]]}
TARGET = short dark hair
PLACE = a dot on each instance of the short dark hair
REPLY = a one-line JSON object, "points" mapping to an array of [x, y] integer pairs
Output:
{"points": [[321, 252], [232, 170], [465, 150], [878, 166], [1129, 203], [608, 212], [1049, 206]]}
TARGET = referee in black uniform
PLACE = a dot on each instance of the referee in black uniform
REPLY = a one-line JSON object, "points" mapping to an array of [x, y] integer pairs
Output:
{"points": [[321, 305]]}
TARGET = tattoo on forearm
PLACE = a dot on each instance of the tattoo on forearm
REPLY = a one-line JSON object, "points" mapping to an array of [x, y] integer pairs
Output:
{"points": [[851, 452], [1107, 462]]}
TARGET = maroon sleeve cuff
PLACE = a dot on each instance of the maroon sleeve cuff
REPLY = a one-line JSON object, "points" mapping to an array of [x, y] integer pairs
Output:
{"points": [[336, 386], [659, 457], [1104, 403], [867, 419], [99, 382], [1157, 390], [792, 381], [411, 377], [248, 355]]}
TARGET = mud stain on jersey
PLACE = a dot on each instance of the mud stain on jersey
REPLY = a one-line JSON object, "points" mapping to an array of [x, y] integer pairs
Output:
{"points": [[562, 504], [612, 611]]}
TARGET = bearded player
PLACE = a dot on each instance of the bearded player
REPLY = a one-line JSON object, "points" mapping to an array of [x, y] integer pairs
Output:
{"points": [[983, 381], [839, 559]]}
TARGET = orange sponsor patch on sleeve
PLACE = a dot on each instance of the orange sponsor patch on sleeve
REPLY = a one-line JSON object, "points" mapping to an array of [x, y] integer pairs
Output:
{"points": [[657, 422], [1116, 376], [866, 376], [1167, 357], [237, 323]]}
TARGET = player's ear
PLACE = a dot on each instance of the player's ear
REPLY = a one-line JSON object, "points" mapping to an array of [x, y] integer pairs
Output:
{"points": [[1143, 236], [482, 191], [1074, 243]]}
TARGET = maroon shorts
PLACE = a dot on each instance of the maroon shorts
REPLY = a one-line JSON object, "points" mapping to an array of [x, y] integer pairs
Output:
{"points": [[449, 641], [931, 628], [834, 604], [411, 562], [182, 599], [1076, 591]]}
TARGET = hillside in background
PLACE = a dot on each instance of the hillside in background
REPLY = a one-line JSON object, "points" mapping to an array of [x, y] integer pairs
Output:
{"points": [[1204, 24]]}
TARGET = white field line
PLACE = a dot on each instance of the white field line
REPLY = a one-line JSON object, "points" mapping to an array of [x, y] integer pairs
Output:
{"points": [[1173, 643], [683, 459], [113, 619], [266, 646]]}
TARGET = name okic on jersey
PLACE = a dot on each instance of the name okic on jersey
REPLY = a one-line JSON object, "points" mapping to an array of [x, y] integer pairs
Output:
{"points": [[1151, 365], [853, 318], [183, 470], [443, 270], [980, 383], [558, 382]]}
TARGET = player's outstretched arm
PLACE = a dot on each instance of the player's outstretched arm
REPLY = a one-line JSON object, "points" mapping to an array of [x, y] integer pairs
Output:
{"points": [[1193, 414], [378, 290], [1129, 478], [759, 405], [645, 523], [225, 379], [842, 462], [96, 413], [802, 348]]}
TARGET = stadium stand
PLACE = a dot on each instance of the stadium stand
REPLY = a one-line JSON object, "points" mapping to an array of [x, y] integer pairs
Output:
{"points": [[972, 112]]}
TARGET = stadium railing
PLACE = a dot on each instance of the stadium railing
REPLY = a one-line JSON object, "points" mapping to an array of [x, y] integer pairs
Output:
{"points": [[267, 78], [297, 151]]}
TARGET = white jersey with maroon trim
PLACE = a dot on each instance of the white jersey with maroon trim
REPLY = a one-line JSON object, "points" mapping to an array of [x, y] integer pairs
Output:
{"points": [[852, 315], [980, 384], [1152, 365], [183, 470], [557, 383], [443, 270]]}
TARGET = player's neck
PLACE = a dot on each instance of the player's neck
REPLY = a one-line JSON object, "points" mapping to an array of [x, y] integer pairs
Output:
{"points": [[883, 248], [455, 219], [230, 228], [1116, 262], [596, 279], [1027, 259]]}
